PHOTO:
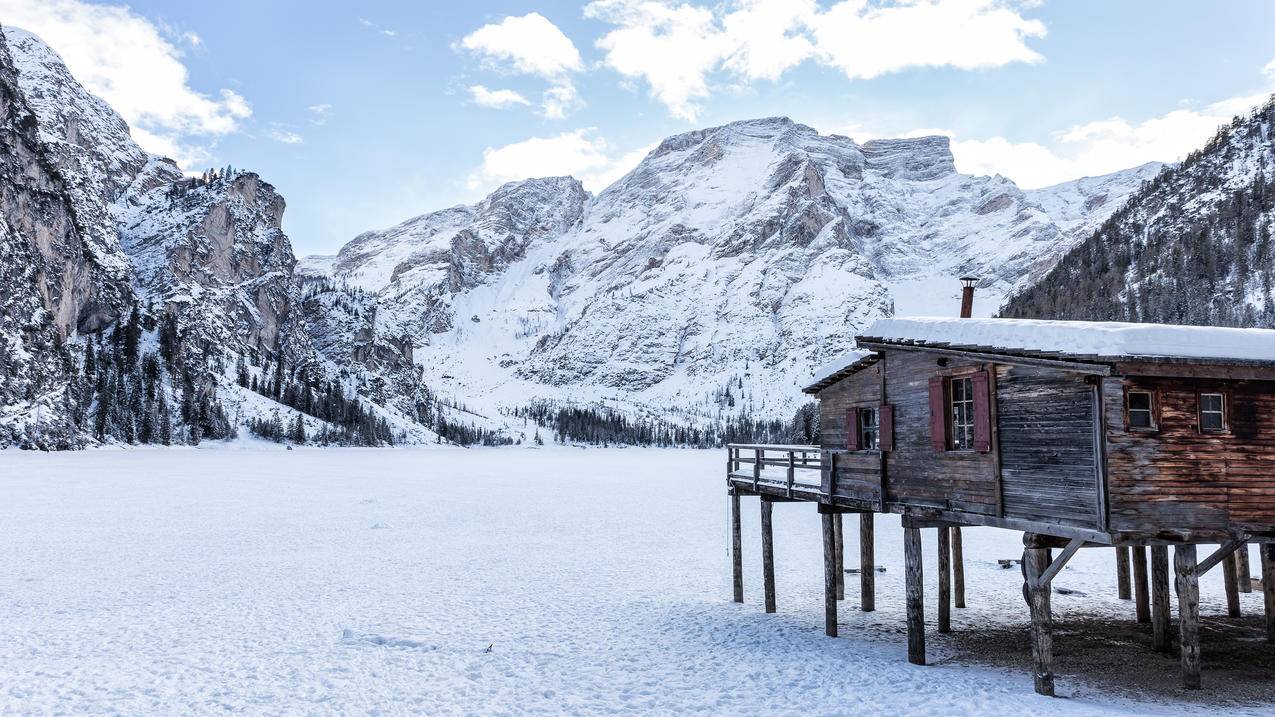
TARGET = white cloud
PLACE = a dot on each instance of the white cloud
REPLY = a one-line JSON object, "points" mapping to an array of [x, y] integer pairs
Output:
{"points": [[559, 100], [124, 59], [1269, 69], [1099, 147], [579, 153], [869, 41], [319, 113], [285, 136], [675, 48], [531, 45], [496, 99]]}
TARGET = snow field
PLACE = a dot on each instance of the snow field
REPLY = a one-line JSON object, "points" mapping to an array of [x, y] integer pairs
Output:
{"points": [[486, 581]]}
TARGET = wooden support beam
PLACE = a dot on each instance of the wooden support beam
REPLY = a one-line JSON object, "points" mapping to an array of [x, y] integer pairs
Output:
{"points": [[829, 576], [1230, 576], [1160, 639], [1142, 605], [945, 580], [1188, 586], [914, 578], [1267, 554], [1122, 573], [867, 564], [958, 568], [1036, 564], [1245, 576], [736, 547], [768, 553], [1056, 566], [838, 529], [1217, 556]]}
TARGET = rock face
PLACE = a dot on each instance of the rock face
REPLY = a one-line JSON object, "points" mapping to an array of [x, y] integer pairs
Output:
{"points": [[50, 278], [716, 275], [216, 254]]}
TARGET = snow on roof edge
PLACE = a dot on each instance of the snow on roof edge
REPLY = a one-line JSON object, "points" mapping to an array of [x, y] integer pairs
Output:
{"points": [[1081, 338], [1096, 338]]}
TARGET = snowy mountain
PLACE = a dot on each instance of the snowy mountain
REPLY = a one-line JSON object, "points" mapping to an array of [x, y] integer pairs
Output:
{"points": [[696, 293], [712, 278], [132, 291], [1193, 246]]}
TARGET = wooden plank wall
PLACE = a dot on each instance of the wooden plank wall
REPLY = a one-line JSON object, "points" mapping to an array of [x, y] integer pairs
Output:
{"points": [[858, 473], [917, 474], [1178, 478], [1048, 469]]}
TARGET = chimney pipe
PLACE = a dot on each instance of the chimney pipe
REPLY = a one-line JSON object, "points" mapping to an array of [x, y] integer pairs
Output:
{"points": [[967, 296]]}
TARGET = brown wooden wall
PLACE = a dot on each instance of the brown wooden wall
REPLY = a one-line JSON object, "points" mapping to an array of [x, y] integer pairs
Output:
{"points": [[1175, 477], [1048, 446], [1045, 431], [916, 474]]}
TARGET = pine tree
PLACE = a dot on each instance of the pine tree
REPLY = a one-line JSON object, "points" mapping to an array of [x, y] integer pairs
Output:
{"points": [[298, 430]]}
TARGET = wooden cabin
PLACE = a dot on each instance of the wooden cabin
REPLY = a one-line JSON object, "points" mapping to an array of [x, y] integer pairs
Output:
{"points": [[1079, 434]]}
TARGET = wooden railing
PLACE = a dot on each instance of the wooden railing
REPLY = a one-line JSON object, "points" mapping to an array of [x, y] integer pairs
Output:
{"points": [[794, 468]]}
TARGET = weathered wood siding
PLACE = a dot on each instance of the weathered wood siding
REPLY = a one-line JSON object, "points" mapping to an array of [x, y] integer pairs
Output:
{"points": [[859, 389], [859, 472], [916, 474], [1177, 478], [1047, 445]]}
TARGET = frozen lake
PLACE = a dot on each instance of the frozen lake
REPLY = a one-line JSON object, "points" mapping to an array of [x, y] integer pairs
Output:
{"points": [[485, 581]]}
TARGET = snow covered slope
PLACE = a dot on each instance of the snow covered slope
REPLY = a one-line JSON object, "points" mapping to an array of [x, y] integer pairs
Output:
{"points": [[1192, 246], [713, 277]]}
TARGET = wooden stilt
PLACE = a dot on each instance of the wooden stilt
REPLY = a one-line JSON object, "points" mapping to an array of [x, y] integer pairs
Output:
{"points": [[1188, 586], [829, 576], [1122, 573], [1141, 603], [768, 553], [945, 580], [1160, 639], [839, 533], [1245, 570], [736, 547], [958, 568], [915, 595], [1230, 574], [1036, 561], [867, 567], [1266, 551]]}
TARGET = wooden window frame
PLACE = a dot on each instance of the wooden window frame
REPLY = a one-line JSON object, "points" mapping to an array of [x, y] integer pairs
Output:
{"points": [[1226, 413], [958, 374], [949, 404], [1153, 410], [876, 430]]}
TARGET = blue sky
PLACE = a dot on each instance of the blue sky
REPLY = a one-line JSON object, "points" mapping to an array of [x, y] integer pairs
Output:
{"points": [[364, 115]]}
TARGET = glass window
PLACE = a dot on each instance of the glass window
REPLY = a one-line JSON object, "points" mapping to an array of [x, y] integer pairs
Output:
{"points": [[869, 430], [1139, 406], [1212, 412], [962, 401]]}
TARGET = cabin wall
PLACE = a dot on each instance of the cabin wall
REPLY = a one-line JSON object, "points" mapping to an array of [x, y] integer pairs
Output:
{"points": [[858, 473], [1177, 478], [1046, 432], [916, 474]]}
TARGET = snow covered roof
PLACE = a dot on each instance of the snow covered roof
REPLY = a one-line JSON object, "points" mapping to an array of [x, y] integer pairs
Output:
{"points": [[1089, 341]]}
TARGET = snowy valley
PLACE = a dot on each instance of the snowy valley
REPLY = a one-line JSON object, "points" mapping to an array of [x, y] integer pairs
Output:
{"points": [[686, 303]]}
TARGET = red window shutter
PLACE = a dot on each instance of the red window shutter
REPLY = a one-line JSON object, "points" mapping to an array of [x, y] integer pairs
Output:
{"points": [[885, 415], [852, 429], [982, 412], [938, 415]]}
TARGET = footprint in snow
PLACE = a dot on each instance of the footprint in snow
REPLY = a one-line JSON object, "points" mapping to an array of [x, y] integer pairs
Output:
{"points": [[380, 526]]}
